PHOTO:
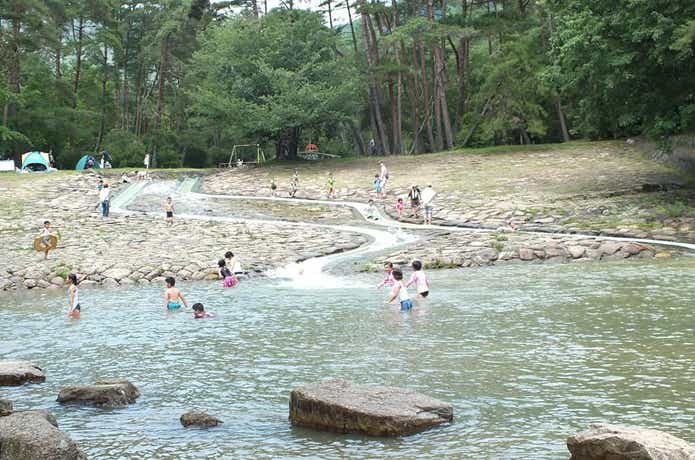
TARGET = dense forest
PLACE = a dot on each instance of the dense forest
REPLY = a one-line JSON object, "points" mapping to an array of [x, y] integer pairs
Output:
{"points": [[185, 80]]}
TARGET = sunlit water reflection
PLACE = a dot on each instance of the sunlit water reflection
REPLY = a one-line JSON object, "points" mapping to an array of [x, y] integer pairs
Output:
{"points": [[526, 354]]}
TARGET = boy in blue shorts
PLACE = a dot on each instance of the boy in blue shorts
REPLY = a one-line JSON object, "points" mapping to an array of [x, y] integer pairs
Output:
{"points": [[172, 296]]}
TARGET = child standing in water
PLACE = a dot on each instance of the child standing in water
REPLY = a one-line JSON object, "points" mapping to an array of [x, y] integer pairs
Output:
{"points": [[233, 264], [169, 209], [230, 280], [422, 284], [199, 311], [172, 296], [399, 207], [388, 280], [73, 296], [400, 291]]}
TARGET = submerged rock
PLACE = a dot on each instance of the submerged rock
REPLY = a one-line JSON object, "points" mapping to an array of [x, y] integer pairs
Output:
{"points": [[33, 435], [199, 418], [13, 373], [342, 406], [104, 393], [603, 441], [5, 407]]}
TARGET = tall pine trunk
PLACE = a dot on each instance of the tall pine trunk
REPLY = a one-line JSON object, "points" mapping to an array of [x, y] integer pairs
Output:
{"points": [[427, 100], [374, 93], [78, 59], [563, 122]]}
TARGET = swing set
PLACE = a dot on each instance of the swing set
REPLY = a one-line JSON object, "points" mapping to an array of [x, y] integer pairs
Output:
{"points": [[241, 156]]}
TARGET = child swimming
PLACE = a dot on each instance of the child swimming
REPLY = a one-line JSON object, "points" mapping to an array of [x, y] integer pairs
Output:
{"points": [[172, 296], [73, 296], [400, 291], [422, 284], [199, 311], [226, 274], [388, 280]]}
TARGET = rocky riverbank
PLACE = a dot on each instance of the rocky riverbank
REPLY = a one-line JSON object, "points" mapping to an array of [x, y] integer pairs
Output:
{"points": [[137, 248], [468, 249]]}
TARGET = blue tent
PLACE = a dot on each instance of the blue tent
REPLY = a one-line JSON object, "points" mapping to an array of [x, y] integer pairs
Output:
{"points": [[83, 163], [35, 161]]}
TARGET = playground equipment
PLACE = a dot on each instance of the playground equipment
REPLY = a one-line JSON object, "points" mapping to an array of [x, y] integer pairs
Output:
{"points": [[238, 156], [311, 152]]}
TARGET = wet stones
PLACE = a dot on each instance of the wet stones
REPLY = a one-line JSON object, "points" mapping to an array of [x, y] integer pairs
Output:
{"points": [[604, 441], [200, 419], [14, 373], [105, 393], [344, 407], [35, 435]]}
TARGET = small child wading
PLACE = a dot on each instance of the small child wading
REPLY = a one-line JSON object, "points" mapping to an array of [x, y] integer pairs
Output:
{"points": [[229, 280], [172, 296], [400, 291], [419, 279], [169, 209], [73, 296]]}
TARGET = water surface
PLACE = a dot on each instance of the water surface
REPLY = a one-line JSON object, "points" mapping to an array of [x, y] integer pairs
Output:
{"points": [[527, 354]]}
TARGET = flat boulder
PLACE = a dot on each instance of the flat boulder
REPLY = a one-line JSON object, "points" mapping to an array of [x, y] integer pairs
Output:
{"points": [[199, 419], [344, 407], [603, 441], [35, 435], [15, 373], [104, 393]]}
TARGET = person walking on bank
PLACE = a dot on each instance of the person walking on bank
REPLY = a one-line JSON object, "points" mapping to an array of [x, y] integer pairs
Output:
{"points": [[383, 178], [427, 199], [415, 200], [104, 196]]}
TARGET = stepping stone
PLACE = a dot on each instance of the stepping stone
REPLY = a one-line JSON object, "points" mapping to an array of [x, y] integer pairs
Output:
{"points": [[342, 406], [15, 373], [35, 435], [199, 419], [104, 393], [603, 441]]}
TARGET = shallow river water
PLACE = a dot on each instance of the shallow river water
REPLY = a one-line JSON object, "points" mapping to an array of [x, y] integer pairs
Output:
{"points": [[527, 354]]}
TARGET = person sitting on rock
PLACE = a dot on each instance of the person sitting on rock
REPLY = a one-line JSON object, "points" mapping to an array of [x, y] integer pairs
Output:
{"points": [[173, 296], [372, 212], [199, 311]]}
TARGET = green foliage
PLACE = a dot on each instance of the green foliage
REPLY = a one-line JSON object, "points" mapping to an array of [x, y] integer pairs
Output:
{"points": [[676, 209], [125, 148]]}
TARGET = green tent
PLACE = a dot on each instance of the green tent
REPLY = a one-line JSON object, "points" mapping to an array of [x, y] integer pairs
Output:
{"points": [[82, 164], [35, 161]]}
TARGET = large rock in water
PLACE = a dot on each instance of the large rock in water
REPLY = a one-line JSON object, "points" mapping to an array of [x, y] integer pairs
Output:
{"points": [[612, 442], [104, 393], [342, 406], [35, 435], [199, 418], [14, 373]]}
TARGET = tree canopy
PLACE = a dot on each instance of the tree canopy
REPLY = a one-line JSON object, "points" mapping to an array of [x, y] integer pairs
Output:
{"points": [[186, 80]]}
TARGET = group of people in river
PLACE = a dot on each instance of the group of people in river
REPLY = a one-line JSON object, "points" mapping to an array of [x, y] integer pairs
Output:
{"points": [[399, 288]]}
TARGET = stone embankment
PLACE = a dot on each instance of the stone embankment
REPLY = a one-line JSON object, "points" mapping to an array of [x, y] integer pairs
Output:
{"points": [[456, 249], [136, 249]]}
